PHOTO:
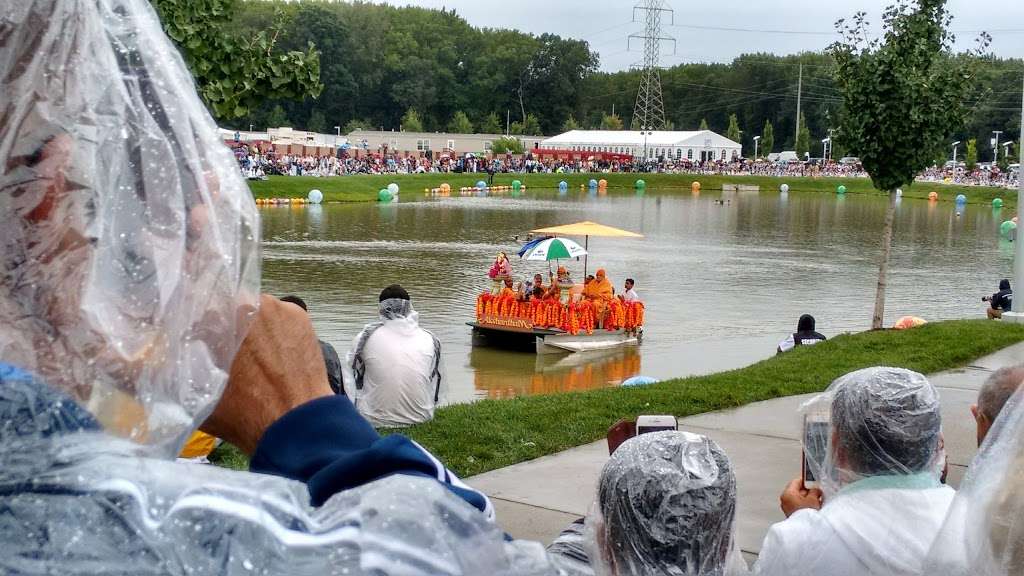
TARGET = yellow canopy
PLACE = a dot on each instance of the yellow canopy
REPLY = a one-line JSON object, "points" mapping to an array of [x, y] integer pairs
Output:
{"points": [[587, 229]]}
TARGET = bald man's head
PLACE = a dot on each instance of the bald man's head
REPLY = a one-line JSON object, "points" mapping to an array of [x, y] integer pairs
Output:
{"points": [[994, 394]]}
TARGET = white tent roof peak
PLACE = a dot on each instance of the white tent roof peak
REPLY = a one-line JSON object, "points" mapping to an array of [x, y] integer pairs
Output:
{"points": [[691, 138]]}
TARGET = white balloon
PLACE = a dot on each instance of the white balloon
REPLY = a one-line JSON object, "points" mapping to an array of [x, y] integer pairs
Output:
{"points": [[393, 188], [899, 192], [315, 196], [784, 188]]}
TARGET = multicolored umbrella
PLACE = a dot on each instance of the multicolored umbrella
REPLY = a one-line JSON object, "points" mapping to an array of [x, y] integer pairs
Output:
{"points": [[556, 249]]}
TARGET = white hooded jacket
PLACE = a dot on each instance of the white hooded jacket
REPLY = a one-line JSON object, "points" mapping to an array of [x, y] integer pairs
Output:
{"points": [[397, 363], [880, 526]]}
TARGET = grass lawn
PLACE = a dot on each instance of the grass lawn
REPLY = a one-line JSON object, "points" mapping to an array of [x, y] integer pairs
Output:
{"points": [[489, 434], [363, 188]]}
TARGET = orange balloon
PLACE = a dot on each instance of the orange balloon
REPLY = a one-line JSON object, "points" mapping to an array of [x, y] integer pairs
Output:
{"points": [[933, 196]]}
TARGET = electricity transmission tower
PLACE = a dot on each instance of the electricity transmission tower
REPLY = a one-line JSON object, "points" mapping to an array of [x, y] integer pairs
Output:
{"points": [[649, 112]]}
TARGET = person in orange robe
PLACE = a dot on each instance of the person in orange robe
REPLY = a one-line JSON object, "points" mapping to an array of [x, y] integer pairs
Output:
{"points": [[600, 292]]}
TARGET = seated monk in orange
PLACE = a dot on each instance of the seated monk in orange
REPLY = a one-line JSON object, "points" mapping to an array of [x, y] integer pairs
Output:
{"points": [[600, 292]]}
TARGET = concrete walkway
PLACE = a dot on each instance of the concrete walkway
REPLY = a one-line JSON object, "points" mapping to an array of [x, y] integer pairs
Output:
{"points": [[535, 500]]}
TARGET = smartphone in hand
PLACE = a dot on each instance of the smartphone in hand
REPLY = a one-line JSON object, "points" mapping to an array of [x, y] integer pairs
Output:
{"points": [[815, 448]]}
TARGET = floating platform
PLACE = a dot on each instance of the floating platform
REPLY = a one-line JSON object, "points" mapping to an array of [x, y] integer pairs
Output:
{"points": [[547, 341]]}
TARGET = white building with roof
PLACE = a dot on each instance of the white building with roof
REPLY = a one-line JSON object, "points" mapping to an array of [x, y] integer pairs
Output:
{"points": [[696, 145]]}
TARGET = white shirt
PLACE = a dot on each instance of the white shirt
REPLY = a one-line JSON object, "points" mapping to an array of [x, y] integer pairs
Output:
{"points": [[884, 532], [397, 388], [630, 295]]}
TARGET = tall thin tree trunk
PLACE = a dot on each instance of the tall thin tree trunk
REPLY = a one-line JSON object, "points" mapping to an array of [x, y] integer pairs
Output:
{"points": [[883, 265]]}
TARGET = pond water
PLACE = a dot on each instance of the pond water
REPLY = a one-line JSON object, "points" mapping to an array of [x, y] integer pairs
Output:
{"points": [[724, 275]]}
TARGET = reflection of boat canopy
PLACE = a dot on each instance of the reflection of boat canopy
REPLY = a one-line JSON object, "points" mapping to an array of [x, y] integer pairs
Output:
{"points": [[550, 326]]}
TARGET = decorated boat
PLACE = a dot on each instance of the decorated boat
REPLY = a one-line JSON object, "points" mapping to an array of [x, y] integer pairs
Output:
{"points": [[552, 325]]}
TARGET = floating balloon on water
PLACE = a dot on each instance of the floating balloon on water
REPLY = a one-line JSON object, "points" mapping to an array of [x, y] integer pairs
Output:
{"points": [[899, 192], [695, 186], [516, 185], [384, 195], [315, 196], [933, 196], [784, 188], [997, 202], [1007, 227], [640, 184], [841, 189], [961, 199], [592, 183], [602, 183], [393, 188], [563, 185]]}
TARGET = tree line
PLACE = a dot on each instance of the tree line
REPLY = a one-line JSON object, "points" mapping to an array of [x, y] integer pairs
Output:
{"points": [[417, 69]]}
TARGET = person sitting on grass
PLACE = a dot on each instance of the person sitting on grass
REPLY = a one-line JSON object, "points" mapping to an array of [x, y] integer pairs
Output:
{"points": [[393, 372], [666, 505], [1001, 301], [804, 335], [331, 359]]}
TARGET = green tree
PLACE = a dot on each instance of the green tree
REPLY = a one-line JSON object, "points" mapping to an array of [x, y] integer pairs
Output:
{"points": [[971, 154], [570, 124], [277, 118], [317, 122], [356, 124], [611, 122], [235, 72], [516, 129], [703, 124], [902, 95], [460, 124], [767, 140], [507, 145], [411, 121], [803, 139], [1010, 157], [733, 131], [491, 124], [532, 126]]}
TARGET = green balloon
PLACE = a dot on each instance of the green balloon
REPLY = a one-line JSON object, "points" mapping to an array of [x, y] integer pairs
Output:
{"points": [[516, 185], [841, 189], [1006, 227], [640, 184], [997, 202], [384, 195]]}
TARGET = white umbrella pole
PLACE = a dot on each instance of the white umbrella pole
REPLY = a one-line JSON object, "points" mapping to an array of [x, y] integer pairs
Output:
{"points": [[586, 246]]}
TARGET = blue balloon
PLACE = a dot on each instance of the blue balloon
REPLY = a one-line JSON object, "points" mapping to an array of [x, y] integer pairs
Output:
{"points": [[481, 185], [563, 185], [315, 196], [961, 199], [592, 183], [640, 381]]}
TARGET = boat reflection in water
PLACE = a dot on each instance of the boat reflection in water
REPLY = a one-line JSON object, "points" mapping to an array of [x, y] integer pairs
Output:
{"points": [[496, 375]]}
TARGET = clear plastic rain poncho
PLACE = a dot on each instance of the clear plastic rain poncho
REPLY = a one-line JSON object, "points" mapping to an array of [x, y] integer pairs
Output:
{"points": [[666, 504], [128, 269], [877, 422], [984, 531]]}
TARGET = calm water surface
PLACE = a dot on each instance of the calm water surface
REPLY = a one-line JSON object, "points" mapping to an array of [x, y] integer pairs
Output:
{"points": [[723, 283]]}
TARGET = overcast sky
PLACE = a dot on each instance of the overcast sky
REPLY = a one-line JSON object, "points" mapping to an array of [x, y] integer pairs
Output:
{"points": [[779, 26]]}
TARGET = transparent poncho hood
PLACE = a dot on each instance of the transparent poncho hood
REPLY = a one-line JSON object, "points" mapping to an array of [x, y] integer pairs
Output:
{"points": [[129, 252]]}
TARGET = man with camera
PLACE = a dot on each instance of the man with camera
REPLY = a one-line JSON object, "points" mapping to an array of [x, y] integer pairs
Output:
{"points": [[999, 302], [879, 502]]}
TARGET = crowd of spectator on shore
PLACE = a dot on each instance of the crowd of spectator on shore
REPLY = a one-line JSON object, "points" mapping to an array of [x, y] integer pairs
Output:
{"points": [[258, 165]]}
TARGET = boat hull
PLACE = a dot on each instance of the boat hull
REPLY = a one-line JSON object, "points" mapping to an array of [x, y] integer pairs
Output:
{"points": [[543, 341]]}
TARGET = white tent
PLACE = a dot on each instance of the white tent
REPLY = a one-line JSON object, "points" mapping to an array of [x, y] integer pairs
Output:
{"points": [[694, 145]]}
